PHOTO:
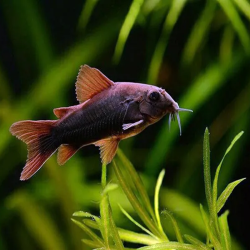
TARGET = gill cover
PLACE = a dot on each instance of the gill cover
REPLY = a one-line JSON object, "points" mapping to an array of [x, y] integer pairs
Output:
{"points": [[150, 109]]}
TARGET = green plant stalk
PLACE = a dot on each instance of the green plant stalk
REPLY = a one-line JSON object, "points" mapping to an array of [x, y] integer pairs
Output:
{"points": [[104, 209], [138, 182], [210, 232], [114, 232], [156, 200], [135, 203]]}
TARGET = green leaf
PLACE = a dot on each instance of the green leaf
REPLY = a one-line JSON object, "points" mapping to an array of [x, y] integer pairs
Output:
{"points": [[137, 223], [174, 201], [199, 32], [171, 19], [207, 176], [36, 220], [84, 214], [157, 190], [28, 14], [86, 14], [208, 185], [138, 238], [137, 182], [134, 201], [126, 28], [91, 243], [171, 245], [91, 224], [225, 234], [175, 225], [237, 23], [110, 187], [88, 215], [210, 231], [127, 235], [226, 193], [215, 183], [89, 232], [227, 43], [196, 242], [244, 6]]}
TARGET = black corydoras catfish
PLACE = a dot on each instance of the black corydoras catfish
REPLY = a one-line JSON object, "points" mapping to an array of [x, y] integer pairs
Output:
{"points": [[108, 112]]}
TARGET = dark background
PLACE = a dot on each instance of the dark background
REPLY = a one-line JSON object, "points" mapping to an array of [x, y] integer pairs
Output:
{"points": [[200, 56]]}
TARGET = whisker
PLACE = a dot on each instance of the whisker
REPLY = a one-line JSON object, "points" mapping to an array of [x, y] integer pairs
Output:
{"points": [[179, 121], [181, 109], [169, 121]]}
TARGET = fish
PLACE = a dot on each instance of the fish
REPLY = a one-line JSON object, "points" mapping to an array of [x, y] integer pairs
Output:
{"points": [[107, 113]]}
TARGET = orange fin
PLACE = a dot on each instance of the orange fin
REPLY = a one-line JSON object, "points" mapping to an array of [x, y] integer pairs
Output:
{"points": [[40, 143], [61, 112], [108, 148], [90, 81], [65, 152]]}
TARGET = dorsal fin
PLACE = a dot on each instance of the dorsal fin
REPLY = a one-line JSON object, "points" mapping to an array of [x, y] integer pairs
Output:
{"points": [[61, 112], [90, 81]]}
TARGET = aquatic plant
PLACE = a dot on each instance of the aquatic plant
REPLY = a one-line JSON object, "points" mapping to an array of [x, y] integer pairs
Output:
{"points": [[103, 232]]}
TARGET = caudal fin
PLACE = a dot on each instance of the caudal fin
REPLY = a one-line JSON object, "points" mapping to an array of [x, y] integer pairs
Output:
{"points": [[40, 143]]}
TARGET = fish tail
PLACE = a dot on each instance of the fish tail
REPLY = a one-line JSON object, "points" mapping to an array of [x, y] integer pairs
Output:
{"points": [[40, 143]]}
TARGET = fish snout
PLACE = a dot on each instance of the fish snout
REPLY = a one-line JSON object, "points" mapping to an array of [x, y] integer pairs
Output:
{"points": [[170, 105]]}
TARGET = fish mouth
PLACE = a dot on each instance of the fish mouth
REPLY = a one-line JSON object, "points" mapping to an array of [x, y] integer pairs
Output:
{"points": [[174, 110], [175, 113]]}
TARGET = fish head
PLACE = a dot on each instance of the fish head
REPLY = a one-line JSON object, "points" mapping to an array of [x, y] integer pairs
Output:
{"points": [[156, 103]]}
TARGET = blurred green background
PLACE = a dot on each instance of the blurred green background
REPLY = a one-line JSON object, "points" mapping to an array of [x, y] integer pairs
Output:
{"points": [[197, 50]]}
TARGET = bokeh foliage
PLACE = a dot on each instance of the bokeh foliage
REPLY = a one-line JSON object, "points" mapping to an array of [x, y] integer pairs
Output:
{"points": [[197, 50]]}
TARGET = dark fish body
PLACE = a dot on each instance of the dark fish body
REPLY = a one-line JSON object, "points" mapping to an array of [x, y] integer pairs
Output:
{"points": [[103, 117], [108, 112]]}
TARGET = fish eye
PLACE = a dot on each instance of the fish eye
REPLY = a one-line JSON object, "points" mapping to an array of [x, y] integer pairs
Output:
{"points": [[154, 96]]}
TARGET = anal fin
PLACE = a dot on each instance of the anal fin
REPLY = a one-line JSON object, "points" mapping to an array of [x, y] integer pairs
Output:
{"points": [[108, 148], [65, 152]]}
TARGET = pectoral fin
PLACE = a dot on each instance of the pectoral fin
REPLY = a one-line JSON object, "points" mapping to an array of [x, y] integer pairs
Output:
{"points": [[108, 148], [65, 152], [130, 125]]}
